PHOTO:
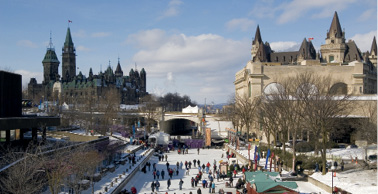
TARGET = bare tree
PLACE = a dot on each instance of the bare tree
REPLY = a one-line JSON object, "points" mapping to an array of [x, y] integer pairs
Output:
{"points": [[268, 119], [149, 108], [109, 103], [23, 175], [368, 125], [322, 107], [246, 109]]}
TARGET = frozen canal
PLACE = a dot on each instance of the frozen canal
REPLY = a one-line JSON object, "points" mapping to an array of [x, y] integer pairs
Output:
{"points": [[142, 181]]}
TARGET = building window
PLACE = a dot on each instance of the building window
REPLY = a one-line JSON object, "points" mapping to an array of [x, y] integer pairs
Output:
{"points": [[249, 90], [331, 58]]}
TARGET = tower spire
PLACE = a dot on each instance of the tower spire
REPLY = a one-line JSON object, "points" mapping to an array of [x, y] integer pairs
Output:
{"points": [[257, 36], [374, 47], [51, 46], [335, 29]]}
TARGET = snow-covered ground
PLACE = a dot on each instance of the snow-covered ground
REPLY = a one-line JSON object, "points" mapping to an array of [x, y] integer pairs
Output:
{"points": [[356, 180], [142, 181], [353, 180]]}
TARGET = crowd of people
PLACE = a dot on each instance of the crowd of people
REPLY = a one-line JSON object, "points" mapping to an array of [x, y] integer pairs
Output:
{"points": [[206, 178]]}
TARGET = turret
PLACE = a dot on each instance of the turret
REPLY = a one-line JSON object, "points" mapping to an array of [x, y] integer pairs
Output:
{"points": [[118, 72], [68, 59], [50, 65]]}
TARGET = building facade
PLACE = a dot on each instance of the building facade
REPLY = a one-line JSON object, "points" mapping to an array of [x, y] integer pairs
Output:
{"points": [[354, 72], [77, 88]]}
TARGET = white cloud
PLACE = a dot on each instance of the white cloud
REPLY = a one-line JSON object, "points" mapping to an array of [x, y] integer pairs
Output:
{"points": [[194, 63], [172, 10], [26, 75], [80, 33], [282, 46], [364, 41], [82, 48], [367, 15], [100, 34], [244, 24], [27, 43], [149, 39], [295, 9]]}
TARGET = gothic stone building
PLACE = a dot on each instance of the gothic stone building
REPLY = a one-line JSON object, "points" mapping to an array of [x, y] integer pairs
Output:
{"points": [[355, 72], [72, 88]]}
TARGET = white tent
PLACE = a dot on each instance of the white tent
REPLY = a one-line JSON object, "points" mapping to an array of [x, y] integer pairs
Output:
{"points": [[190, 109], [159, 138]]}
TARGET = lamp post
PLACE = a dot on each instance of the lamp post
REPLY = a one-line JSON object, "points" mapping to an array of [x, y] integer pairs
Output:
{"points": [[332, 171]]}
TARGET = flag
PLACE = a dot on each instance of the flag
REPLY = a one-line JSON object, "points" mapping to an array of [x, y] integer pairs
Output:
{"points": [[69, 21], [258, 154], [267, 158], [309, 39]]}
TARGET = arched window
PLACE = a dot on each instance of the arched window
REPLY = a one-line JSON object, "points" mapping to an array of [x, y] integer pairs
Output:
{"points": [[249, 89]]}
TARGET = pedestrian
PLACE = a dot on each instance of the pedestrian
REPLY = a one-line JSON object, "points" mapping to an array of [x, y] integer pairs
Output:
{"points": [[153, 186], [198, 162], [167, 164], [192, 181], [342, 165], [133, 190], [316, 167], [213, 187], [180, 184], [157, 185], [148, 164], [157, 174], [194, 163], [168, 183], [204, 183], [190, 164], [154, 173], [198, 150], [177, 172], [199, 191], [162, 173], [177, 164], [335, 164]]}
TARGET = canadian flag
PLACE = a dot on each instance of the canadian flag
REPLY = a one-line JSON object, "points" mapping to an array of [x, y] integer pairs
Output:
{"points": [[309, 39]]}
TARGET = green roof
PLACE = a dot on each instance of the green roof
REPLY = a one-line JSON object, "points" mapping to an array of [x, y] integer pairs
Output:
{"points": [[280, 186], [50, 56], [267, 180], [68, 41]]}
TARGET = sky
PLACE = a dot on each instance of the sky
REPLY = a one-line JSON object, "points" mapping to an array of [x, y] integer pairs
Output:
{"points": [[192, 47]]}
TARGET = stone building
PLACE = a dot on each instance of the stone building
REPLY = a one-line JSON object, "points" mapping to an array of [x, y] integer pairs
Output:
{"points": [[77, 88], [355, 72]]}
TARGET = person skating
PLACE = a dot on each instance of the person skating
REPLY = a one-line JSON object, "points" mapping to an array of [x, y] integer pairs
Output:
{"points": [[199, 191], [168, 183], [157, 174], [210, 187], [213, 187], [157, 185], [198, 151], [153, 186], [194, 163], [166, 157], [162, 174], [167, 164], [133, 190], [180, 184], [154, 174], [192, 181], [190, 164]]}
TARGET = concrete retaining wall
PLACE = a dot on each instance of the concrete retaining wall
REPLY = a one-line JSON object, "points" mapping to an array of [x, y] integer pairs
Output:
{"points": [[131, 175]]}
